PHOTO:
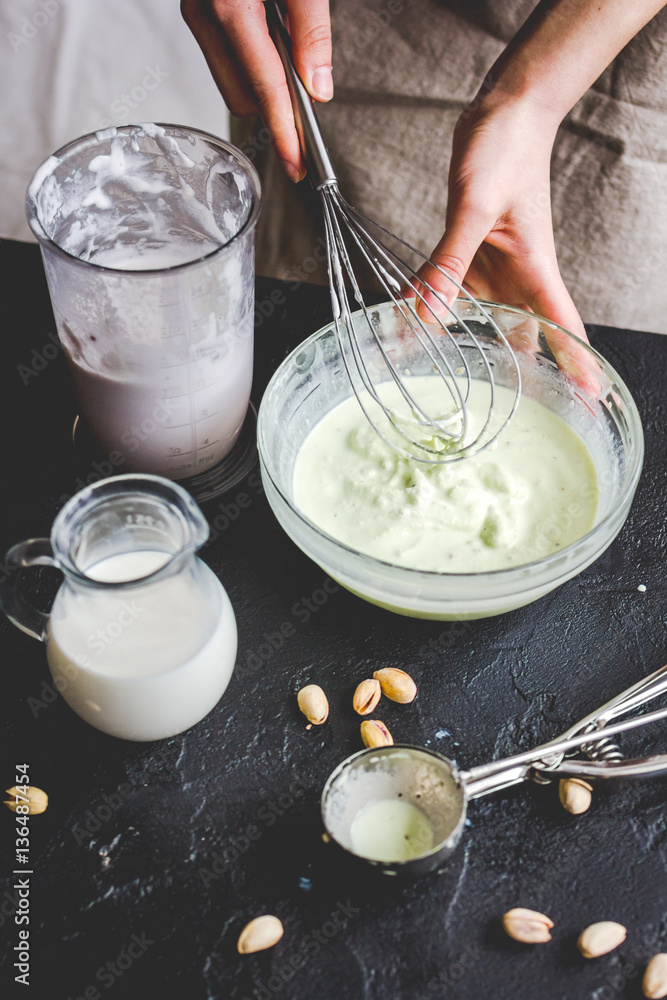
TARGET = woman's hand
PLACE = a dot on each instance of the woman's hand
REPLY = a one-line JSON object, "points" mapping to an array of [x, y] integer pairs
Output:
{"points": [[498, 240], [234, 37]]}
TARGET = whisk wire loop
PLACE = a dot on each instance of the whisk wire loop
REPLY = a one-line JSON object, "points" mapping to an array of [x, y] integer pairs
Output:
{"points": [[429, 438], [418, 435], [394, 289], [347, 335], [344, 324]]}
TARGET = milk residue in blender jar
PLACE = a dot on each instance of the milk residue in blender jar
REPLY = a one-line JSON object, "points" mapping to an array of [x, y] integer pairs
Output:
{"points": [[161, 368]]}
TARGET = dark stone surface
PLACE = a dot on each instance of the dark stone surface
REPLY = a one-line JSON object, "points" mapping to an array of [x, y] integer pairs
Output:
{"points": [[174, 862]]}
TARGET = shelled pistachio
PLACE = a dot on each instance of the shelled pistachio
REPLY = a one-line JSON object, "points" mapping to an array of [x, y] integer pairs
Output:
{"points": [[575, 795], [601, 938], [262, 932], [527, 926], [313, 703], [654, 983]]}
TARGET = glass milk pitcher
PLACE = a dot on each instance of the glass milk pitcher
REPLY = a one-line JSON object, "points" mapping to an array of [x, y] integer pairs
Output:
{"points": [[141, 639]]}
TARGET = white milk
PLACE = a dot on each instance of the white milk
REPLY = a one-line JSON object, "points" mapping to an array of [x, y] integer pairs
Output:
{"points": [[168, 392], [170, 422], [152, 255], [391, 830], [148, 661]]}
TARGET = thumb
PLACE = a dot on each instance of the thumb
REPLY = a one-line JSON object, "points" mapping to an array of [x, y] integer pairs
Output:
{"points": [[449, 264], [310, 31], [553, 301]]}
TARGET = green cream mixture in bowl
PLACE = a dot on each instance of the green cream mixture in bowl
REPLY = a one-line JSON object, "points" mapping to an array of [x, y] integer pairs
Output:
{"points": [[469, 538]]}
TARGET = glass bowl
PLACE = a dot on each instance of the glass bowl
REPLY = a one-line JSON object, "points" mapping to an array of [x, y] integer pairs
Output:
{"points": [[557, 369]]}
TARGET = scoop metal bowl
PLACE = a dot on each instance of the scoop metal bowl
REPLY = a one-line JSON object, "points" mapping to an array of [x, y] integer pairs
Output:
{"points": [[435, 785]]}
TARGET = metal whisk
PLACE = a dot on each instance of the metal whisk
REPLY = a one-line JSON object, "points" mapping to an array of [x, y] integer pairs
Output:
{"points": [[446, 341]]}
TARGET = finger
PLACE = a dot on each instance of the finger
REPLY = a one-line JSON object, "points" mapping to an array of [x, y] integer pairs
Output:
{"points": [[249, 37], [553, 301], [225, 70], [466, 230], [575, 359], [523, 335], [310, 31]]}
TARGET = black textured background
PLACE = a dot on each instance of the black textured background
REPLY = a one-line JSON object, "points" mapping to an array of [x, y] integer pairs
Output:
{"points": [[173, 862]]}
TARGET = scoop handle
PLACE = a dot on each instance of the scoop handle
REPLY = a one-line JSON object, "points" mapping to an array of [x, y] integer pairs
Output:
{"points": [[545, 760], [316, 155], [640, 767], [644, 690]]}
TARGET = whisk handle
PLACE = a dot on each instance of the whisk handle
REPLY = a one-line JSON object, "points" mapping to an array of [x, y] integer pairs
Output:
{"points": [[320, 168]]}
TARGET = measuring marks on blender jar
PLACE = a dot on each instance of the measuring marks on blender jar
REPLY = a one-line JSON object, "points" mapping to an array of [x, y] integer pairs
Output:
{"points": [[205, 376]]}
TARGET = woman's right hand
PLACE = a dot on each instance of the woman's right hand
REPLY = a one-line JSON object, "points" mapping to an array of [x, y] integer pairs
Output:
{"points": [[499, 242], [244, 62]]}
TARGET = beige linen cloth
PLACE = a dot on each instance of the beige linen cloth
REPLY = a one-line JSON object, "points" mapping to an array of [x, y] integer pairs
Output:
{"points": [[403, 72]]}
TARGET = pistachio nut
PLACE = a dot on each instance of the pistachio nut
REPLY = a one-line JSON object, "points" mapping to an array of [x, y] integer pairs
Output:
{"points": [[366, 696], [27, 795], [600, 938], [527, 926], [262, 932], [313, 703], [396, 684], [375, 734], [654, 983], [575, 795]]}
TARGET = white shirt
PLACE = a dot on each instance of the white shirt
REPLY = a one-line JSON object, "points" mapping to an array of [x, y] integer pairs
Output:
{"points": [[68, 67]]}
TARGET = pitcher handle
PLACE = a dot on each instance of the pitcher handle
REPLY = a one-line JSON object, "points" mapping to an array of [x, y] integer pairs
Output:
{"points": [[33, 552]]}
